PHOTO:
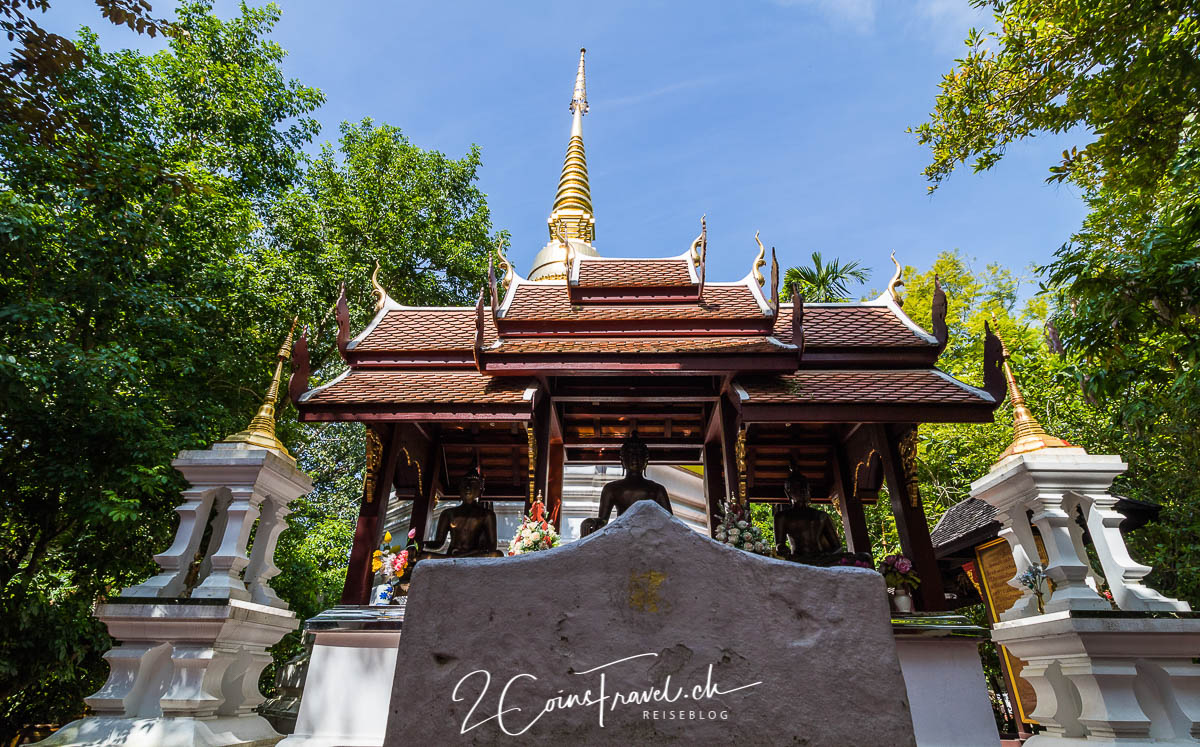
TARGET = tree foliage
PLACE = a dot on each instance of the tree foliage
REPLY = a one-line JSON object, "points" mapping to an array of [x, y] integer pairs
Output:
{"points": [[41, 57], [1162, 469], [152, 250], [1123, 79]]}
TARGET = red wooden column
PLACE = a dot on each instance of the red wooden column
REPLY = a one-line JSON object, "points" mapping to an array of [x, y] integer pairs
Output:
{"points": [[911, 523], [729, 434], [854, 521], [549, 458], [357, 589], [555, 462], [429, 484]]}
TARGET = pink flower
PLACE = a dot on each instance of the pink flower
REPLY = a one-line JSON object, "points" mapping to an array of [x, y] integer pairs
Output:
{"points": [[412, 533], [903, 564]]}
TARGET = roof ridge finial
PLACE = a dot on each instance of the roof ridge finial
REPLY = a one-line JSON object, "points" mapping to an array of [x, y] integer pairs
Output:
{"points": [[377, 290], [896, 282], [572, 209], [261, 431], [759, 262], [1028, 433]]}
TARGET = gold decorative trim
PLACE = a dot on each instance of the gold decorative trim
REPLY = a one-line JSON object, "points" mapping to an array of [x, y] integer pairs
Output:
{"points": [[377, 289], [414, 463], [907, 447], [374, 460], [864, 463], [532, 439], [740, 450]]}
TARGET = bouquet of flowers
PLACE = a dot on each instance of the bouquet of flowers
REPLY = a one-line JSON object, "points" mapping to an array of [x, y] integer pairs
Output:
{"points": [[897, 570], [391, 562], [1032, 578], [738, 530], [535, 533]]}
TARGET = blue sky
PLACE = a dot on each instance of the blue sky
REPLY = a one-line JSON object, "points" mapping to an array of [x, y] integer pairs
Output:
{"points": [[783, 116]]}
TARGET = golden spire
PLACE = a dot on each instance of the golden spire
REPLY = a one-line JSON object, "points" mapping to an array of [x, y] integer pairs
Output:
{"points": [[1028, 434], [572, 210], [261, 431]]}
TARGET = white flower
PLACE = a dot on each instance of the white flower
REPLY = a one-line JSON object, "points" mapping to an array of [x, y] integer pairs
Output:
{"points": [[734, 532], [742, 525]]}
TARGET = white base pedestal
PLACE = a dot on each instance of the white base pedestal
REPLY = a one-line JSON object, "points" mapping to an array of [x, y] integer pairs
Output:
{"points": [[185, 674], [243, 731], [946, 690], [348, 691], [1110, 677]]}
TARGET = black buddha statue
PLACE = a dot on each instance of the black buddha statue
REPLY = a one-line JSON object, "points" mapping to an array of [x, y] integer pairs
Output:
{"points": [[470, 527], [802, 533], [633, 487]]}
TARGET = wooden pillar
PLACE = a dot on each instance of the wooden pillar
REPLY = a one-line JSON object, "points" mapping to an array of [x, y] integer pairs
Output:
{"points": [[555, 458], [376, 488], [542, 455], [854, 521], [714, 483], [729, 434], [911, 524], [431, 482]]}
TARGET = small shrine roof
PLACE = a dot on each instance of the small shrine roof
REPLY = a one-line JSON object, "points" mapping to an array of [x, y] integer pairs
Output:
{"points": [[918, 386], [648, 345], [402, 391], [424, 329], [534, 302], [635, 273]]}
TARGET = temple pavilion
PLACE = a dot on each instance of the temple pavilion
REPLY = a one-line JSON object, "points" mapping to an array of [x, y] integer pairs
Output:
{"points": [[557, 368]]}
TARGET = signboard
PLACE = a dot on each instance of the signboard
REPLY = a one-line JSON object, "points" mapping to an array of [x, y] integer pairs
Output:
{"points": [[996, 567]]}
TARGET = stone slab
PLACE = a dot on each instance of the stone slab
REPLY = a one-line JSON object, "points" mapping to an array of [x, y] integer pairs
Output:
{"points": [[562, 646]]}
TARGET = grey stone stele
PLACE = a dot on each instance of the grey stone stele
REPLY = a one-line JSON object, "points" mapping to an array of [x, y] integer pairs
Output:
{"points": [[818, 640]]}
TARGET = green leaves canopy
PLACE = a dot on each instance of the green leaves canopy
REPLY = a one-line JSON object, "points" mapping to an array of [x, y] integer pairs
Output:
{"points": [[151, 254]]}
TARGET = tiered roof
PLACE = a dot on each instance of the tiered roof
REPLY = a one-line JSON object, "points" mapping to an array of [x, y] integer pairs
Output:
{"points": [[842, 355]]}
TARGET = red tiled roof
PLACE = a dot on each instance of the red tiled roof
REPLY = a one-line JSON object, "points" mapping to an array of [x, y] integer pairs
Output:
{"points": [[668, 345], [920, 386], [551, 302], [427, 329], [365, 387], [634, 273], [848, 326]]}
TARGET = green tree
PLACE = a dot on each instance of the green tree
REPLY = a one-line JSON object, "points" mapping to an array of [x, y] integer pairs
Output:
{"points": [[1122, 79], [29, 79], [951, 456], [130, 326], [823, 282], [420, 214]]}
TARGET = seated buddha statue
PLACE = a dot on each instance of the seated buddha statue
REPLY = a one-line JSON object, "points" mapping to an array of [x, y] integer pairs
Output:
{"points": [[633, 487], [470, 527], [802, 533]]}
